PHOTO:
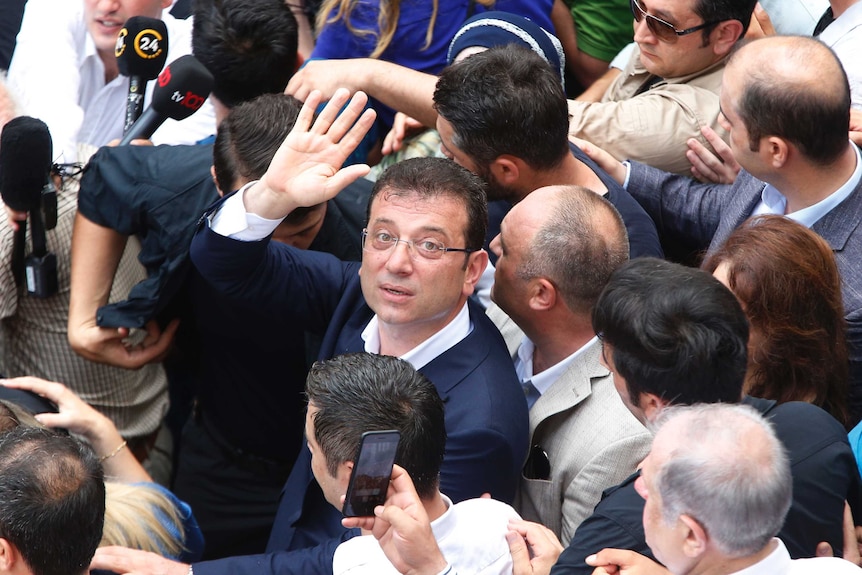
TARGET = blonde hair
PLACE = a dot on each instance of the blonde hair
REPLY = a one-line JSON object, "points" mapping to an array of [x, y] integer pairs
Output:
{"points": [[140, 516], [387, 20]]}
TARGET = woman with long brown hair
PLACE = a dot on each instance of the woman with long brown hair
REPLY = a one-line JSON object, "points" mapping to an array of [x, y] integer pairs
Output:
{"points": [[786, 279]]}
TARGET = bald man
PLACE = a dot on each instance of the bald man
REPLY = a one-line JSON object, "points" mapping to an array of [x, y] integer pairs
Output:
{"points": [[785, 102]]}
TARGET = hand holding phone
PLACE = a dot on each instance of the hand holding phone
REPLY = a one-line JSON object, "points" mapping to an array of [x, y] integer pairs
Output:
{"points": [[372, 467]]}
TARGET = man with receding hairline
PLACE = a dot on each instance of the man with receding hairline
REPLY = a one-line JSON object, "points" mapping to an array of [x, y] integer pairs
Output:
{"points": [[556, 250], [785, 103], [52, 503], [716, 487]]}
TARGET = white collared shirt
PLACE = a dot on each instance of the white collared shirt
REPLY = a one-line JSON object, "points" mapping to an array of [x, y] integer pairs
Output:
{"points": [[544, 380], [779, 563], [774, 202], [57, 75], [421, 355]]}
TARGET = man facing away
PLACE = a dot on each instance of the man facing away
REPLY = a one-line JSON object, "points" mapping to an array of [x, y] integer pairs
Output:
{"points": [[349, 395], [52, 503], [716, 487], [674, 335]]}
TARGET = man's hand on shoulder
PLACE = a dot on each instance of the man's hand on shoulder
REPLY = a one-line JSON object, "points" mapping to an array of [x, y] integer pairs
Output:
{"points": [[720, 166], [623, 562], [306, 170]]}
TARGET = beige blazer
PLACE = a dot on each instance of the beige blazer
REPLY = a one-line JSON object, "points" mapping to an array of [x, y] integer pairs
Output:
{"points": [[592, 440]]}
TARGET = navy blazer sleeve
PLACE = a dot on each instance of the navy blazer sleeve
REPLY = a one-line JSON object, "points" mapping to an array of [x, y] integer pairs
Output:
{"points": [[684, 210], [310, 561], [294, 285]]}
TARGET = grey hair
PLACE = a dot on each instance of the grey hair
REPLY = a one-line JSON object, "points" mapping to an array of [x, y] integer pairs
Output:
{"points": [[729, 472], [579, 247]]}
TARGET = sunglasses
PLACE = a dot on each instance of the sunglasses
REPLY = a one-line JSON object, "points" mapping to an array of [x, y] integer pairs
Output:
{"points": [[662, 30]]}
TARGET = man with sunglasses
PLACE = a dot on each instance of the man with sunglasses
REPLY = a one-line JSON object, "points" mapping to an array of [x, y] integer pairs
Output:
{"points": [[669, 88]]}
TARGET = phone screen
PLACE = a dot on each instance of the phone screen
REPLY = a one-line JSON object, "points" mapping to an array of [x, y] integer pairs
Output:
{"points": [[369, 480]]}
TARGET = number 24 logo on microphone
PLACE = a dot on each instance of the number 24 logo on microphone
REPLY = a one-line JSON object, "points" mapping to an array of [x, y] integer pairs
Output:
{"points": [[148, 44]]}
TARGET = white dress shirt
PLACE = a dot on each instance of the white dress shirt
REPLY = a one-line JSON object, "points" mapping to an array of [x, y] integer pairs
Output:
{"points": [[56, 75]]}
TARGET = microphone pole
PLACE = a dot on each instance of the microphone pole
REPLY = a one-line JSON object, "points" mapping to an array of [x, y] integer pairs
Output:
{"points": [[181, 89], [141, 51]]}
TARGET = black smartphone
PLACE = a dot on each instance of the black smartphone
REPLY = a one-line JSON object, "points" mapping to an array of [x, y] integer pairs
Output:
{"points": [[372, 467]]}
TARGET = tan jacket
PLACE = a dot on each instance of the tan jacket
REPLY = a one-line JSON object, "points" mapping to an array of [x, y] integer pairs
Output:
{"points": [[592, 440], [651, 127]]}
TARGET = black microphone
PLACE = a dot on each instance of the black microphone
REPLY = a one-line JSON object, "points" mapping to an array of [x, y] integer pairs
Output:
{"points": [[141, 50], [25, 162], [182, 88], [25, 166]]}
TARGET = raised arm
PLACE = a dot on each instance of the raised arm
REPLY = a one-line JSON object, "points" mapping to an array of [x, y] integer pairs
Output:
{"points": [[402, 89]]}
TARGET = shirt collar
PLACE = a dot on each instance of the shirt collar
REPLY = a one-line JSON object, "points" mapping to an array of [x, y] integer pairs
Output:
{"points": [[776, 562], [421, 355], [543, 381], [774, 202]]}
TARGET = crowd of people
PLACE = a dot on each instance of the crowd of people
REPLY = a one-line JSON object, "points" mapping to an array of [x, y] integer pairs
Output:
{"points": [[595, 261]]}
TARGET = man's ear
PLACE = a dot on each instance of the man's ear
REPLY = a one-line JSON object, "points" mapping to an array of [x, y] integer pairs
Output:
{"points": [[651, 405], [696, 537], [725, 36], [9, 556], [777, 150], [476, 264], [300, 60], [507, 169], [543, 294], [215, 181]]}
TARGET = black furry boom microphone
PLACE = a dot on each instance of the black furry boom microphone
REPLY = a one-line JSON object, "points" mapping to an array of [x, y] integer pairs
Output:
{"points": [[25, 186]]}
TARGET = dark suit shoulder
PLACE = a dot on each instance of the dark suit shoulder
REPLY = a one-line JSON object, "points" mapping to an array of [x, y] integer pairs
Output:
{"points": [[616, 522]]}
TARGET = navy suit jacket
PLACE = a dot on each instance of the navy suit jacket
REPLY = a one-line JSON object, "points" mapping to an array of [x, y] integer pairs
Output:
{"points": [[701, 216], [486, 415]]}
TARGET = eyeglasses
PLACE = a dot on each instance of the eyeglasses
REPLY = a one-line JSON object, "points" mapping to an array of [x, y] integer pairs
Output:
{"points": [[662, 30], [428, 248]]}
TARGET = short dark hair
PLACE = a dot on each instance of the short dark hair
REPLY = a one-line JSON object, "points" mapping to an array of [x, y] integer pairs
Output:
{"points": [[249, 46], [249, 136], [53, 500], [722, 10], [580, 245], [811, 108], [360, 392], [438, 177], [676, 332], [505, 100]]}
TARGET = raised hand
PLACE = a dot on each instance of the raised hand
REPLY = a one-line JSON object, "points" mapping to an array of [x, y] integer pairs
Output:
{"points": [[306, 170]]}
